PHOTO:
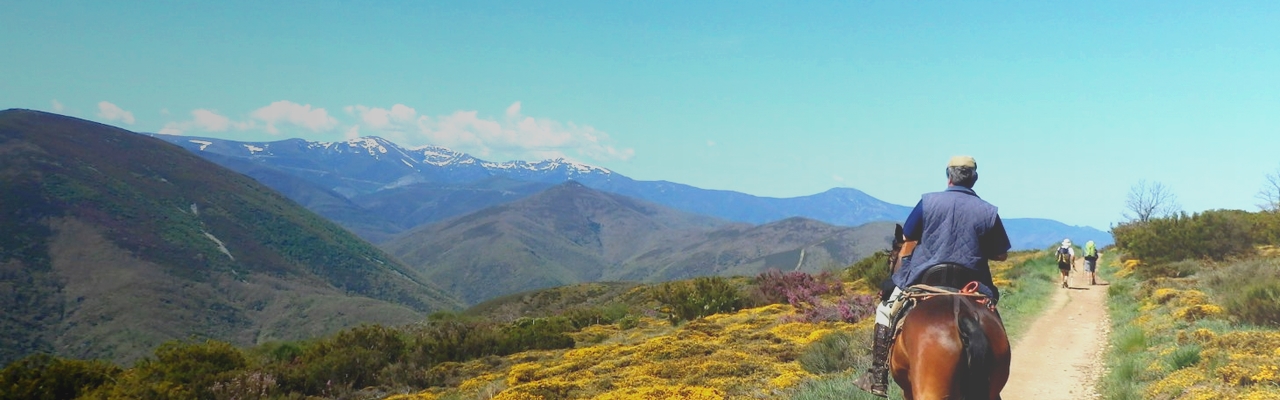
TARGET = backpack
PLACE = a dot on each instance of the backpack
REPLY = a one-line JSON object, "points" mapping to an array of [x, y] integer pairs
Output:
{"points": [[1090, 251], [1064, 254]]}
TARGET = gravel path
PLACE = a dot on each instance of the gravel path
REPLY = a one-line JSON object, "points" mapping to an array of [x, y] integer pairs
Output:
{"points": [[1060, 356]]}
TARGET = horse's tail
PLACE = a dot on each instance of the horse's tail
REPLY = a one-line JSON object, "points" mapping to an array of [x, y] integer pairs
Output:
{"points": [[974, 379]]}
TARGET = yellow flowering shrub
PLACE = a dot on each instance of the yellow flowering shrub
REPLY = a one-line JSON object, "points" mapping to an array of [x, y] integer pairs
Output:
{"points": [[1193, 313], [749, 353], [664, 392], [1231, 364]]}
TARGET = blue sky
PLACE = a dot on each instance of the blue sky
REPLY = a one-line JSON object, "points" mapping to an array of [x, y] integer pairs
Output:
{"points": [[774, 99]]}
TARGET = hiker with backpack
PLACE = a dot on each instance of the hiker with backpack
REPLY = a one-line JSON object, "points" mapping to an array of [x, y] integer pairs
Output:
{"points": [[1066, 258], [1091, 256]]}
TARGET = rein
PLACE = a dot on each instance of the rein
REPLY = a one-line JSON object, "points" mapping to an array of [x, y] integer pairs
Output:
{"points": [[924, 292]]}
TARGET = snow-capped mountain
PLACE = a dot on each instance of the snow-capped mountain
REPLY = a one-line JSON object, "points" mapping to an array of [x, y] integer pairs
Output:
{"points": [[368, 164], [351, 181]]}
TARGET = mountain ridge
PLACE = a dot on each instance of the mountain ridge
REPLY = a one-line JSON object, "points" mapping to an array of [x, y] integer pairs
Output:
{"points": [[571, 234], [442, 172], [115, 242]]}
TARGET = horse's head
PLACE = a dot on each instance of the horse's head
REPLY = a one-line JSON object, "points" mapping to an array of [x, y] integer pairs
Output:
{"points": [[895, 252]]}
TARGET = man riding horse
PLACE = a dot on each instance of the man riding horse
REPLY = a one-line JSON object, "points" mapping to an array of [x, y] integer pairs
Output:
{"points": [[952, 232]]}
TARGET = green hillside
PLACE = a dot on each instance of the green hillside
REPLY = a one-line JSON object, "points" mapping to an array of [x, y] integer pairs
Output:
{"points": [[115, 242], [571, 234]]}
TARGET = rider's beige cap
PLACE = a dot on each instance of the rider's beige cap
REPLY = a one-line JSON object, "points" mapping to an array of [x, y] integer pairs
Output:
{"points": [[962, 161]]}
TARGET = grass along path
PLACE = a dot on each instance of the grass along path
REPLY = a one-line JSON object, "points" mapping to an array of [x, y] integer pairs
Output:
{"points": [[1060, 355]]}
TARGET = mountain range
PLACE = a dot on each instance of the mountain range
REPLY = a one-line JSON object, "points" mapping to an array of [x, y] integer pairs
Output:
{"points": [[571, 234], [114, 242], [378, 189]]}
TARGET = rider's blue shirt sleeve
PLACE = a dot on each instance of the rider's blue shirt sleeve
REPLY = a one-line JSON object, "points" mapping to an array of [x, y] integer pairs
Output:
{"points": [[996, 241], [913, 229]]}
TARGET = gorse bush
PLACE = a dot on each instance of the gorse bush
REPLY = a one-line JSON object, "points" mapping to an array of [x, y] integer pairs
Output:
{"points": [[44, 377], [684, 300]]}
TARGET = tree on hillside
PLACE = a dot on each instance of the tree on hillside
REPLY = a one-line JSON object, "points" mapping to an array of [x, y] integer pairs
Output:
{"points": [[1149, 200], [1270, 193]]}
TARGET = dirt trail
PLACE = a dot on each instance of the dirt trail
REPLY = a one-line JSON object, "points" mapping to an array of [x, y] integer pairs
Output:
{"points": [[1060, 355]]}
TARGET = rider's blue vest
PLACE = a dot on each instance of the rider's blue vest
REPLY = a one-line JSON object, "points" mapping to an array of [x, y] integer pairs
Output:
{"points": [[955, 222]]}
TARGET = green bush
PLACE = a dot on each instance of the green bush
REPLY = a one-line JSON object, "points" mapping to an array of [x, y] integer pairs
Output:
{"points": [[1258, 303], [536, 334], [628, 322], [835, 352], [685, 300], [1249, 290], [582, 317], [1184, 356], [350, 359], [180, 371], [454, 340], [1214, 235], [871, 270], [44, 377]]}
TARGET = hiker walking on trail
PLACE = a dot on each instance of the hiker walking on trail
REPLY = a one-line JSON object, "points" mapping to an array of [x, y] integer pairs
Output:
{"points": [[1066, 259], [953, 227], [1091, 256]]}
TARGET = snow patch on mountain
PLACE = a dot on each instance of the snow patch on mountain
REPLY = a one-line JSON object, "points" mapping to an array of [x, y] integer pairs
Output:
{"points": [[548, 165], [440, 156], [254, 149], [202, 143]]}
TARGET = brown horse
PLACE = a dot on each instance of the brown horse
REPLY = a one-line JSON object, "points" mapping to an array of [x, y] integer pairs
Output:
{"points": [[950, 347]]}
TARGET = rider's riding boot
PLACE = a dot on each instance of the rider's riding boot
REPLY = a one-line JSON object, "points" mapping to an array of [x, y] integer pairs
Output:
{"points": [[876, 379]]}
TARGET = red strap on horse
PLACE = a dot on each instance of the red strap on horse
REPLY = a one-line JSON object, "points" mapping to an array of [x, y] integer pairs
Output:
{"points": [[971, 288]]}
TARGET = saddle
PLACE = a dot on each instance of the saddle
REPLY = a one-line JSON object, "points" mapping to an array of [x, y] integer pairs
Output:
{"points": [[946, 279]]}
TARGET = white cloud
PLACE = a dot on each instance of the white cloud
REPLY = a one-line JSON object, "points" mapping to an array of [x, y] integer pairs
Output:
{"points": [[284, 111], [112, 112], [517, 135], [212, 121], [398, 116], [353, 132], [837, 178], [205, 120], [57, 106], [711, 143]]}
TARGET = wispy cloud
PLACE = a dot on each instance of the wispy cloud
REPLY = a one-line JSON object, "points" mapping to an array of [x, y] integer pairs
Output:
{"points": [[711, 143], [271, 119], [57, 106], [207, 121], [512, 135], [288, 112], [111, 112]]}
